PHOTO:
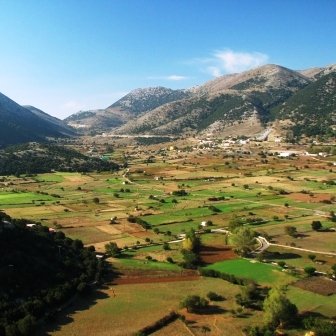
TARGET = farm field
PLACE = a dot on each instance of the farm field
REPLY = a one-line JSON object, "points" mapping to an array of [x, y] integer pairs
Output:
{"points": [[250, 269], [146, 303], [147, 209]]}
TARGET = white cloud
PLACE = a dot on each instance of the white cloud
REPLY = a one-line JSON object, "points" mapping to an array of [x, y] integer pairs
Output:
{"points": [[170, 77], [176, 78], [228, 61]]}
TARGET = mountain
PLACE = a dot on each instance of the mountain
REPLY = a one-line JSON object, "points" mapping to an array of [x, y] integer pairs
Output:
{"points": [[21, 124], [312, 110], [244, 103], [223, 104], [125, 109]]}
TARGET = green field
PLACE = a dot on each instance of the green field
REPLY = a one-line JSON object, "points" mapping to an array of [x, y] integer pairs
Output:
{"points": [[308, 301], [259, 272], [19, 198]]}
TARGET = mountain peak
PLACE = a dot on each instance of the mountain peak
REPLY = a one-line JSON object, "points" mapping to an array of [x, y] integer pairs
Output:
{"points": [[142, 100]]}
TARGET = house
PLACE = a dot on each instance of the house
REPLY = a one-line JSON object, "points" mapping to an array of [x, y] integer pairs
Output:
{"points": [[204, 224], [30, 225]]}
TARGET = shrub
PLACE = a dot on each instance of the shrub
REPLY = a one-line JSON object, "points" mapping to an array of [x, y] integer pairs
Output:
{"points": [[212, 296], [310, 271], [194, 303]]}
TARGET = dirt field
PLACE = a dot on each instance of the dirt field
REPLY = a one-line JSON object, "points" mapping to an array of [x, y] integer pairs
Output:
{"points": [[212, 254], [153, 276], [317, 285], [315, 198]]}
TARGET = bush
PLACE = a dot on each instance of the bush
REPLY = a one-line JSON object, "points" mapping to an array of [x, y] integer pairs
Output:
{"points": [[316, 225], [212, 296], [310, 271], [194, 303]]}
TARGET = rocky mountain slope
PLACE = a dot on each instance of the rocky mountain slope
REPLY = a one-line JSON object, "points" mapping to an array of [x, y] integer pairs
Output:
{"points": [[238, 104], [20, 124], [125, 109], [241, 100]]}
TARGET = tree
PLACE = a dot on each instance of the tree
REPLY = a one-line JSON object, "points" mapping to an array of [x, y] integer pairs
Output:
{"points": [[235, 223], [333, 268], [278, 309], [194, 303], [26, 325], [166, 246], [312, 257], [212, 296], [320, 326], [310, 271], [243, 240], [192, 242], [190, 259], [291, 230], [112, 249], [316, 225], [96, 200]]}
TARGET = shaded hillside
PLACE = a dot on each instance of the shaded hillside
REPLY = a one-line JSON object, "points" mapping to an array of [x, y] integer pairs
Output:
{"points": [[19, 124], [59, 124], [312, 110], [35, 158], [39, 271]]}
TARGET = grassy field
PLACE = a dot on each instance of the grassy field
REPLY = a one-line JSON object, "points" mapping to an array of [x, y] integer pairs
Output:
{"points": [[308, 301], [249, 269], [18, 199], [122, 310]]}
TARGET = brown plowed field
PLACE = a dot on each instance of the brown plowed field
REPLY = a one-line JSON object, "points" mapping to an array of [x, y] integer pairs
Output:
{"points": [[212, 254], [142, 280], [316, 198], [317, 285], [139, 277]]}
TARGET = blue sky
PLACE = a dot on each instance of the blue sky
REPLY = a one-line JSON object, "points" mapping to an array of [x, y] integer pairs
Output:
{"points": [[63, 56]]}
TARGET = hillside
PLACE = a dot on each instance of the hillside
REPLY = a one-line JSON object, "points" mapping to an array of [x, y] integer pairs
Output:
{"points": [[19, 124], [35, 158], [40, 271], [125, 109], [312, 110]]}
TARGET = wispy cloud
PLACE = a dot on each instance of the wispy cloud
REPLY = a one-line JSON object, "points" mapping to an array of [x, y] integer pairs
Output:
{"points": [[175, 78], [228, 61]]}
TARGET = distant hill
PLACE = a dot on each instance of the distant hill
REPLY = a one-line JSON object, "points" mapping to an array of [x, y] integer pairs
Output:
{"points": [[125, 109], [32, 158], [21, 124]]}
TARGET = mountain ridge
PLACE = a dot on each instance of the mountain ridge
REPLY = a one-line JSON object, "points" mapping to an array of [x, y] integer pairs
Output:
{"points": [[221, 104], [19, 124]]}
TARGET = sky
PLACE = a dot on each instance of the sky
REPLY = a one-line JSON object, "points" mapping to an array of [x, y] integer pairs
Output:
{"points": [[63, 56]]}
